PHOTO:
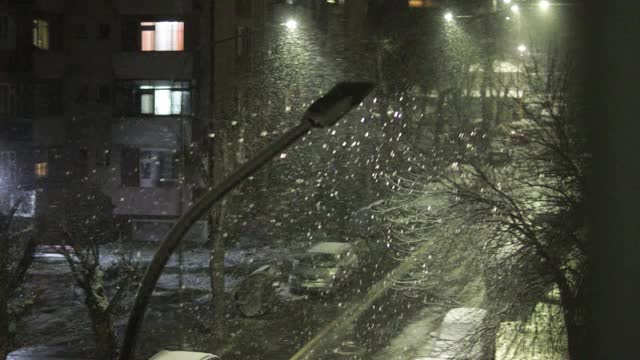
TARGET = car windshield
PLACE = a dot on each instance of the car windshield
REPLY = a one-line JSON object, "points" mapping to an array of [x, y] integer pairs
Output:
{"points": [[274, 179]]}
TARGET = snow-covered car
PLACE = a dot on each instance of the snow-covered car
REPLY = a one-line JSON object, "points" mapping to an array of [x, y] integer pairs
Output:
{"points": [[183, 355], [323, 268], [54, 252], [459, 337]]}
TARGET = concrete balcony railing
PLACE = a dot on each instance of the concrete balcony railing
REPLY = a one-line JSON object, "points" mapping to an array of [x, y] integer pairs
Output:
{"points": [[153, 65], [154, 7], [161, 131], [54, 6], [145, 201]]}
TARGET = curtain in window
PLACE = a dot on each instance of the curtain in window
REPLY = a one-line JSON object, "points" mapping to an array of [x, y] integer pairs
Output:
{"points": [[162, 36], [148, 36]]}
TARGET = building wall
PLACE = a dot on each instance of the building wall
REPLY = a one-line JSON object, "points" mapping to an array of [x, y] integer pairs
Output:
{"points": [[94, 46]]}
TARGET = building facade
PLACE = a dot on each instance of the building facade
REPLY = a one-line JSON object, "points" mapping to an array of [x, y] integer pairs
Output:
{"points": [[113, 94]]}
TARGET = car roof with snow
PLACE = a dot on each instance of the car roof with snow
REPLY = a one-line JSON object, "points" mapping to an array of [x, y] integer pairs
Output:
{"points": [[329, 248], [464, 314], [183, 355]]}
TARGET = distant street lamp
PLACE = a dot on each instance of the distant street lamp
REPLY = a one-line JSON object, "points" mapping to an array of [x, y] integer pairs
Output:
{"points": [[544, 4], [323, 113], [515, 9], [506, 1], [291, 24], [522, 48], [448, 16]]}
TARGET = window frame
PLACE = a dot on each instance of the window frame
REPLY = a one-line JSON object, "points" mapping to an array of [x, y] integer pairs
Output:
{"points": [[4, 27], [41, 27], [129, 95], [151, 27], [159, 180]]}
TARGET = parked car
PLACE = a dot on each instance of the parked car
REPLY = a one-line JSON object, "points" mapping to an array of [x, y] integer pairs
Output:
{"points": [[323, 268], [458, 337], [54, 252], [183, 355]]}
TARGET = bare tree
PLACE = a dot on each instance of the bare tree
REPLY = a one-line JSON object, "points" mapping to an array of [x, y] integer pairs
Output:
{"points": [[86, 224], [14, 263], [519, 225]]}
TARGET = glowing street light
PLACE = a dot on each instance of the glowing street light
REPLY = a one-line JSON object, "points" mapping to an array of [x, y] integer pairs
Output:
{"points": [[544, 4], [522, 48], [291, 24], [515, 9], [448, 16], [506, 1]]}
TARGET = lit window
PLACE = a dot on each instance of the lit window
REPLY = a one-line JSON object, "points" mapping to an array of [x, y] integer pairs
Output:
{"points": [[41, 169], [420, 3], [164, 100], [162, 36], [41, 34]]}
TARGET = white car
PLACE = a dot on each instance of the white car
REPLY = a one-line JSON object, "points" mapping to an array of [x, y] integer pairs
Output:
{"points": [[324, 267], [458, 337], [183, 355]]}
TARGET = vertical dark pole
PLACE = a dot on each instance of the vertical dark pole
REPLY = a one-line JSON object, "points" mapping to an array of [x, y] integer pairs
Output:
{"points": [[215, 156]]}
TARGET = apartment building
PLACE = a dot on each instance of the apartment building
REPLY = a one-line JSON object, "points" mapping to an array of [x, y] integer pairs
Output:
{"points": [[112, 93]]}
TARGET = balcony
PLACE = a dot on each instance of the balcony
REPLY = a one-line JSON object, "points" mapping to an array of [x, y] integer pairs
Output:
{"points": [[159, 131], [54, 6], [151, 65], [145, 201], [155, 7], [48, 64]]}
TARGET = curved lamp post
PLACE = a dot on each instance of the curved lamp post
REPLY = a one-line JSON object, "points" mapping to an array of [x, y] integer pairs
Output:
{"points": [[324, 112]]}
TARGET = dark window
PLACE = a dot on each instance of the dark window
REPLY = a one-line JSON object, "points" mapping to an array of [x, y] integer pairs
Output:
{"points": [[104, 31], [82, 94], [104, 94], [6, 99], [47, 99], [4, 27], [103, 157], [80, 31], [56, 167], [130, 167], [131, 35], [157, 168]]}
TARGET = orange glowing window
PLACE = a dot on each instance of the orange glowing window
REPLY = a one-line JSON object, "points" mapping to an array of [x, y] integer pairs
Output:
{"points": [[162, 36], [41, 169], [420, 3]]}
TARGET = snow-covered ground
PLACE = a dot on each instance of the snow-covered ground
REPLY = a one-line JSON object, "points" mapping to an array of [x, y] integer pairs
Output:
{"points": [[414, 339]]}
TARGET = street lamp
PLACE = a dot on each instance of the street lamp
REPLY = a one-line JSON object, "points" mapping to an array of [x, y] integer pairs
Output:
{"points": [[544, 4], [448, 16], [507, 2], [291, 24], [323, 113], [515, 9], [522, 48]]}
